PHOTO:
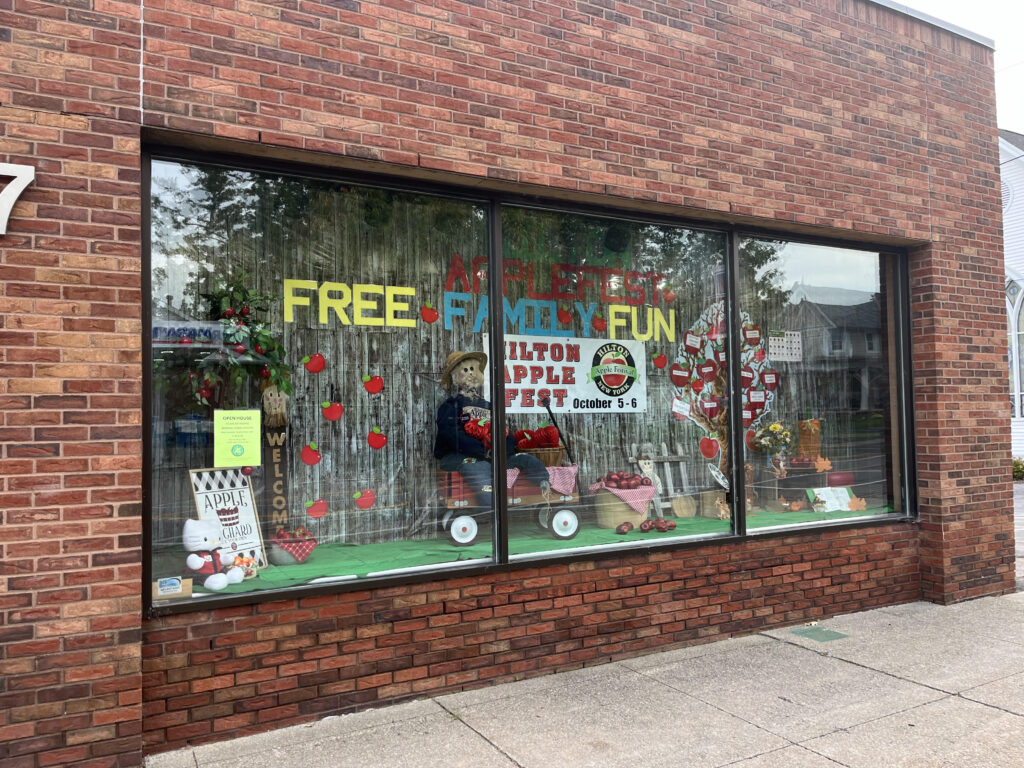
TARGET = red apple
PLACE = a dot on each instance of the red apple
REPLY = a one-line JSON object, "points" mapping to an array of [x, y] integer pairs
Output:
{"points": [[376, 439], [264, 372], [316, 509], [680, 375], [310, 455], [670, 525], [624, 528], [564, 316], [746, 376], [245, 311], [708, 447], [428, 313], [770, 378], [613, 379], [759, 354], [247, 471], [314, 363], [238, 348], [228, 313], [599, 324], [332, 411], [669, 295], [646, 526], [707, 370], [661, 525], [373, 384], [660, 361], [364, 499], [748, 438], [697, 385]]}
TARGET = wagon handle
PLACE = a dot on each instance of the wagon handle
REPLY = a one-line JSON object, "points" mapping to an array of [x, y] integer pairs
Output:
{"points": [[546, 402]]}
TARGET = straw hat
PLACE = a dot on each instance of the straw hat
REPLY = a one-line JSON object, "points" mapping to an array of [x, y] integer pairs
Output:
{"points": [[453, 361]]}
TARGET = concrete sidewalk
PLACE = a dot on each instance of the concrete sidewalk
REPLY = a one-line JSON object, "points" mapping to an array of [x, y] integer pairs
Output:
{"points": [[913, 685]]}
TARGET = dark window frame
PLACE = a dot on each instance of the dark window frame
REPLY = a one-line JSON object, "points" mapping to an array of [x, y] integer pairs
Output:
{"points": [[495, 200]]}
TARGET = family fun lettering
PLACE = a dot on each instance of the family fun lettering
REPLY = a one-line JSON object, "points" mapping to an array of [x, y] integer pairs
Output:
{"points": [[623, 295]]}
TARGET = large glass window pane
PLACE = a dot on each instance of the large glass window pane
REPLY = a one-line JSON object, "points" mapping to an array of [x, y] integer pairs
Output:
{"points": [[300, 371], [615, 379], [822, 443]]}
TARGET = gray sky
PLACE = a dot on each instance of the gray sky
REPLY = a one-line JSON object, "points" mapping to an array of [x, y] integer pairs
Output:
{"points": [[1003, 22]]}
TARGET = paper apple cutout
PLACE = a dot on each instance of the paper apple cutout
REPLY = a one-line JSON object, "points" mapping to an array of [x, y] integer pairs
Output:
{"points": [[680, 375], [707, 370], [314, 363], [669, 295], [316, 509], [746, 376], [332, 411], [708, 447], [373, 384], [599, 324], [376, 439], [770, 378], [428, 313], [564, 317], [692, 342], [364, 499], [748, 438], [310, 455], [660, 361], [697, 385], [710, 407]]}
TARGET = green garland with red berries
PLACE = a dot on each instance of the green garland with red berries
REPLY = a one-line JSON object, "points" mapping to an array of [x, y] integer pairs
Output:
{"points": [[249, 351]]}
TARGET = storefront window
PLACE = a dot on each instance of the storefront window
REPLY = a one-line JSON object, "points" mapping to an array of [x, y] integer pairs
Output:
{"points": [[819, 441], [322, 391], [615, 377], [301, 362]]}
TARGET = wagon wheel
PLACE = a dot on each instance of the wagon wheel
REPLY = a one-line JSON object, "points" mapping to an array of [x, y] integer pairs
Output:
{"points": [[564, 524], [463, 531]]}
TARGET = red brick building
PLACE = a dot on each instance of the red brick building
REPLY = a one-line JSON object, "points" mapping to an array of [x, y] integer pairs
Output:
{"points": [[816, 180]]}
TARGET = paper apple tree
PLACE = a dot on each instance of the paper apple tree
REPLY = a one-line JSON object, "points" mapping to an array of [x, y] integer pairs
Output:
{"points": [[700, 381]]}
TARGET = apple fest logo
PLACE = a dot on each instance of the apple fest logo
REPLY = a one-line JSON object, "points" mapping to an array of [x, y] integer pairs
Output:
{"points": [[613, 370]]}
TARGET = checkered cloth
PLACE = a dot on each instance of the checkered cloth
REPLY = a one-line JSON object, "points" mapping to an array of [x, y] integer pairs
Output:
{"points": [[563, 479], [637, 498], [300, 549]]}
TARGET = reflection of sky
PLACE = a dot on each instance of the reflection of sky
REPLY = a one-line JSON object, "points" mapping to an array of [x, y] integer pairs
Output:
{"points": [[828, 267]]}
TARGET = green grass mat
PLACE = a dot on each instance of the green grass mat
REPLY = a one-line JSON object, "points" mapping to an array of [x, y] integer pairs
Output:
{"points": [[356, 561]]}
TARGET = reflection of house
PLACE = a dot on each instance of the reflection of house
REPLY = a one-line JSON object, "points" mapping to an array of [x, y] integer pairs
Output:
{"points": [[1011, 161], [842, 344]]}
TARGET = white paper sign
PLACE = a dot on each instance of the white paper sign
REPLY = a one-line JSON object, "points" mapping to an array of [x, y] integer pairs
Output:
{"points": [[830, 499], [786, 346], [576, 375]]}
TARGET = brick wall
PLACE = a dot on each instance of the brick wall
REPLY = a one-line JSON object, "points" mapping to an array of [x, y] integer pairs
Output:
{"points": [[834, 114], [70, 392], [229, 671]]}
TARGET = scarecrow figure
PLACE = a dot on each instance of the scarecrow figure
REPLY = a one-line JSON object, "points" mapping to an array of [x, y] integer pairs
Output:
{"points": [[463, 430]]}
